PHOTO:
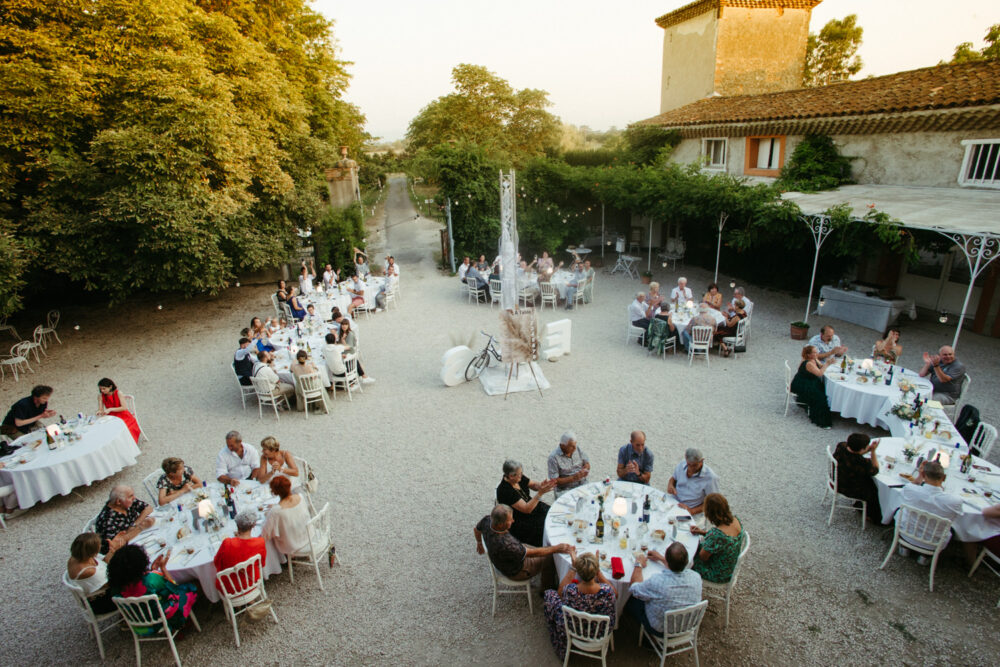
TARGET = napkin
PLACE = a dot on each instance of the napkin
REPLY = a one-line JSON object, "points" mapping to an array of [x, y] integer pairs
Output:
{"points": [[934, 404], [617, 568]]}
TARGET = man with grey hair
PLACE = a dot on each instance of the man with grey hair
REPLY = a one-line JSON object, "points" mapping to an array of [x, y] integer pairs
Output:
{"points": [[637, 312], [692, 481], [739, 294], [702, 319], [568, 465], [946, 373], [239, 549], [122, 518], [236, 461], [926, 493], [509, 556], [682, 293]]}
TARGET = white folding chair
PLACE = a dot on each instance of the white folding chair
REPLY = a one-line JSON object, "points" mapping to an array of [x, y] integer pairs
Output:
{"points": [[51, 321], [916, 528], [8, 327], [277, 307], [130, 406], [788, 386], [391, 294], [286, 312], [737, 342], [982, 439], [549, 295], [587, 634], [588, 289], [725, 591], [17, 361], [304, 471], [503, 585], [701, 343], [318, 530], [526, 296], [351, 380], [952, 410], [245, 389], [578, 296], [268, 395], [93, 619], [90, 526], [35, 344], [993, 566], [831, 487], [243, 586], [312, 391], [496, 291], [7, 490], [146, 612], [474, 291], [634, 333], [149, 483], [680, 632]]}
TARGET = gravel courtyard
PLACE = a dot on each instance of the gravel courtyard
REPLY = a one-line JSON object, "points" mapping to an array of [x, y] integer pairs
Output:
{"points": [[410, 465]]}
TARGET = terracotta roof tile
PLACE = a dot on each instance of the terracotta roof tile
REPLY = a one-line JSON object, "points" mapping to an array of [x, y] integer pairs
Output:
{"points": [[939, 87], [699, 7]]}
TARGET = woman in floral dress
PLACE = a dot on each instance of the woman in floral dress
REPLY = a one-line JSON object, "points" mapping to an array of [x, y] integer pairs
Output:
{"points": [[584, 588], [719, 552]]}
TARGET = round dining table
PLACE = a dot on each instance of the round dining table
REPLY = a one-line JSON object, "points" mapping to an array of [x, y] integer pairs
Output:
{"points": [[88, 450], [192, 549], [865, 398], [978, 489], [572, 516]]}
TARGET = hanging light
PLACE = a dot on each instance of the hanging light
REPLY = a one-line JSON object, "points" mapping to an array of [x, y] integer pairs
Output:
{"points": [[76, 327], [732, 284], [822, 301], [664, 263], [943, 318], [159, 307], [237, 283]]}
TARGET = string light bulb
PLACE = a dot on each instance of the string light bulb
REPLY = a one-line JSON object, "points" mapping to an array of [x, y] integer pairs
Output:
{"points": [[732, 284], [822, 302], [237, 283], [76, 327], [159, 307], [943, 318]]}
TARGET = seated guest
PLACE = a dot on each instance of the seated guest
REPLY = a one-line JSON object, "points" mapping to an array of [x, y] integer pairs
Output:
{"points": [[176, 480], [807, 385], [635, 461], [130, 575], [122, 518], [728, 328], [24, 416], [545, 263], [356, 290], [304, 366], [463, 268], [856, 474], [713, 297], [584, 588], [279, 383], [991, 518], [306, 278], [509, 555], [361, 267], [637, 312], [240, 549], [259, 333], [717, 554], [576, 283], [692, 481], [349, 340], [740, 295], [946, 373], [275, 461], [653, 299], [483, 266], [888, 348], [682, 293], [287, 522], [702, 319], [568, 465], [282, 292], [926, 493], [334, 353], [661, 330], [236, 461], [391, 268], [89, 571], [827, 343], [311, 315], [675, 588], [329, 278], [478, 279], [109, 402], [589, 272], [529, 513]]}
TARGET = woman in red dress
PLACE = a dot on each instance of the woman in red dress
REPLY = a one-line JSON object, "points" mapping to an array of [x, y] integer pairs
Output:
{"points": [[111, 404]]}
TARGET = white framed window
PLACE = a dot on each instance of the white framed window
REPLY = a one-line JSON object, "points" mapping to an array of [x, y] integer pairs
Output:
{"points": [[713, 153], [981, 165]]}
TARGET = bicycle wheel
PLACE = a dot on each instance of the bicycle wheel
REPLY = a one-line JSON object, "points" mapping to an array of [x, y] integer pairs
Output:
{"points": [[476, 366]]}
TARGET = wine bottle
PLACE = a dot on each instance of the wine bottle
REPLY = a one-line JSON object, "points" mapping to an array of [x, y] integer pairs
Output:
{"points": [[645, 510], [599, 528]]}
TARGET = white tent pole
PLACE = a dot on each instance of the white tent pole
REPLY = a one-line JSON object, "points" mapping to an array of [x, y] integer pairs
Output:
{"points": [[649, 253], [968, 295], [718, 246], [820, 227], [602, 231]]}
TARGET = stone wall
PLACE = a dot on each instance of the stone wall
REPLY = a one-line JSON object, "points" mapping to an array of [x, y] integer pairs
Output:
{"points": [[760, 50], [688, 61]]}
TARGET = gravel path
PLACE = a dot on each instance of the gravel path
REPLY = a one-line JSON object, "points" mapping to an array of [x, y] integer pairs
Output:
{"points": [[410, 466]]}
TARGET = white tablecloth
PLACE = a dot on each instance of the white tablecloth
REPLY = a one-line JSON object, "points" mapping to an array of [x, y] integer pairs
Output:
{"points": [[864, 399], [685, 316], [104, 448], [557, 529], [867, 311], [971, 526], [199, 566]]}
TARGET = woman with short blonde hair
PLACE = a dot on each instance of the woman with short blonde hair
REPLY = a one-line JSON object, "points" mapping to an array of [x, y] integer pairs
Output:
{"points": [[275, 461], [591, 593]]}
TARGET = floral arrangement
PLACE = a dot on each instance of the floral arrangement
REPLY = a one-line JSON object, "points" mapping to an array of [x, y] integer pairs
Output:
{"points": [[904, 411]]}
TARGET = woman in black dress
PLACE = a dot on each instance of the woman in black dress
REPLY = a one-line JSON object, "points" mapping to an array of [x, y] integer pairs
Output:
{"points": [[807, 385], [529, 513]]}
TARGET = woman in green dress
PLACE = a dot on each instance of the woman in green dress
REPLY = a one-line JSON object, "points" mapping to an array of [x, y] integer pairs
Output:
{"points": [[718, 553], [130, 575]]}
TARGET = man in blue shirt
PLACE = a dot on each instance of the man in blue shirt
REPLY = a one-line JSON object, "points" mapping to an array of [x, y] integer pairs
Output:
{"points": [[673, 589], [635, 462]]}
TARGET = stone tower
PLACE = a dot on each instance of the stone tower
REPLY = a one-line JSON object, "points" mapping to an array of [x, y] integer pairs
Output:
{"points": [[732, 47]]}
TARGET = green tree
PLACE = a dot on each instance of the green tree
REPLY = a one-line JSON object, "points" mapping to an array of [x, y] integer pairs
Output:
{"points": [[966, 51], [831, 56], [486, 111]]}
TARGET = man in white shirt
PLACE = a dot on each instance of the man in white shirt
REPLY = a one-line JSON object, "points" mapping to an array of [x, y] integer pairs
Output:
{"points": [[567, 464], [637, 312], [283, 382], [463, 268], [329, 277], [927, 494], [391, 268], [827, 343], [740, 295], [681, 293], [236, 461], [333, 352], [692, 481], [576, 283]]}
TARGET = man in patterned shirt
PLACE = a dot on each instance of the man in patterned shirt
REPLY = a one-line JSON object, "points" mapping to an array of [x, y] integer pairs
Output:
{"points": [[513, 559], [122, 518]]}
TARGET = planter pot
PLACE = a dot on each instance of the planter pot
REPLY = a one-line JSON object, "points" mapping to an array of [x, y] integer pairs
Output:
{"points": [[799, 333], [646, 279]]}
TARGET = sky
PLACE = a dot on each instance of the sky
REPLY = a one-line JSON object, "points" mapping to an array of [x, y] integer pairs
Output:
{"points": [[599, 61]]}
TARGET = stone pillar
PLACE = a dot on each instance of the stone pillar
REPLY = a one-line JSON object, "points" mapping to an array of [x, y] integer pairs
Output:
{"points": [[342, 181]]}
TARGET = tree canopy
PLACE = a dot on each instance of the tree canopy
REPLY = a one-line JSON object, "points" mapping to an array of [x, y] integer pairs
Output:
{"points": [[832, 55], [487, 111], [163, 144], [967, 52]]}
